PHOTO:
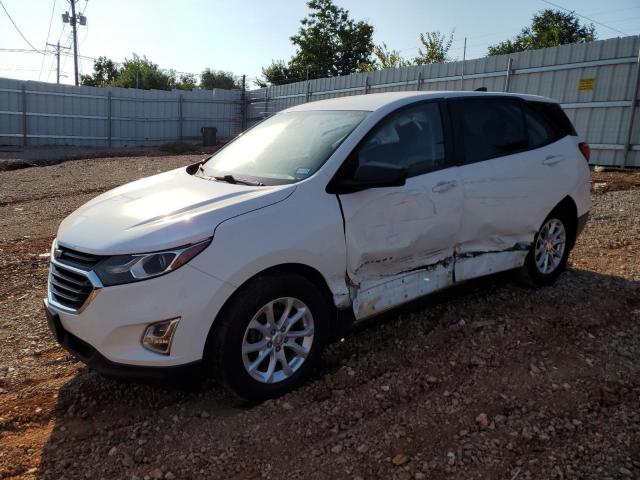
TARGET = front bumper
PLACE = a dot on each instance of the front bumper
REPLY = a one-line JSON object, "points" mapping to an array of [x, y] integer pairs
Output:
{"points": [[94, 360], [107, 332]]}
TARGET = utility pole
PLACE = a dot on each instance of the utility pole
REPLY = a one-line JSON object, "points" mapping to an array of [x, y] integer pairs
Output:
{"points": [[57, 47], [73, 20], [75, 41]]}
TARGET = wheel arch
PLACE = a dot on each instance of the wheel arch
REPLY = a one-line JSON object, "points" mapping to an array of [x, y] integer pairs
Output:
{"points": [[306, 271], [568, 207]]}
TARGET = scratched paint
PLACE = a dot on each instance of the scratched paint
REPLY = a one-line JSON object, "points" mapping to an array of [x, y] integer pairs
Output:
{"points": [[376, 295], [486, 263]]}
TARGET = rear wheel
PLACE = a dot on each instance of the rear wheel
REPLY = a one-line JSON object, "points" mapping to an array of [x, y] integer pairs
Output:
{"points": [[270, 336], [549, 252]]}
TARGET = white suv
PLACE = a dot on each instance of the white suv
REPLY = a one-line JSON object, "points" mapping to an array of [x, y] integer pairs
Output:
{"points": [[330, 212]]}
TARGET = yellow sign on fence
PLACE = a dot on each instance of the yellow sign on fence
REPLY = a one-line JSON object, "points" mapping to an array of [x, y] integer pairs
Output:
{"points": [[586, 84]]}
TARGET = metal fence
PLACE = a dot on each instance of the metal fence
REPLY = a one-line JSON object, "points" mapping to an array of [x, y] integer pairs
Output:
{"points": [[597, 84], [37, 113]]}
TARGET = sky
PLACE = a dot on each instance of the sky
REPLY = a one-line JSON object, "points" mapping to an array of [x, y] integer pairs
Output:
{"points": [[242, 37]]}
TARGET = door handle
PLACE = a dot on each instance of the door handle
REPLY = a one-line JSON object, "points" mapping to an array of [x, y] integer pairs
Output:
{"points": [[442, 187], [553, 159]]}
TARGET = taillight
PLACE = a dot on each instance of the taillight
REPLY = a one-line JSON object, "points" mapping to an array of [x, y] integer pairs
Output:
{"points": [[585, 149]]}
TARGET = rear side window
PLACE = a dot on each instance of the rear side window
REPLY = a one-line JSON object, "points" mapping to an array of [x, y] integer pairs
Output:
{"points": [[491, 127], [555, 116]]}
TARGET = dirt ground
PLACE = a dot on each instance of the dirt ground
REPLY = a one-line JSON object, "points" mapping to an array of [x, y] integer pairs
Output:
{"points": [[486, 380], [18, 157]]}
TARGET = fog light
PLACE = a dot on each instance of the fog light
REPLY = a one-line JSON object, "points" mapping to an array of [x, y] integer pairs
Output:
{"points": [[158, 336]]}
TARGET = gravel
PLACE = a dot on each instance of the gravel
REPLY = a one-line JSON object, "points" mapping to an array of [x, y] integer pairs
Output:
{"points": [[486, 380]]}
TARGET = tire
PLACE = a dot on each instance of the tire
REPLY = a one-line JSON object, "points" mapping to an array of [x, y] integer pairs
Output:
{"points": [[244, 325], [554, 239]]}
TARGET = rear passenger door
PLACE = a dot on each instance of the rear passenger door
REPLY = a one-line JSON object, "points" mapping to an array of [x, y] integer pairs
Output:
{"points": [[505, 190]]}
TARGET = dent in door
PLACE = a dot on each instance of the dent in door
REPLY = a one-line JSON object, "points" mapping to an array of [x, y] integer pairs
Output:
{"points": [[391, 258], [500, 209], [394, 235], [501, 216]]}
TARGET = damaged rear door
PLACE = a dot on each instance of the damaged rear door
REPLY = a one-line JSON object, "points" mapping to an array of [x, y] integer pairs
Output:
{"points": [[400, 240], [501, 183]]}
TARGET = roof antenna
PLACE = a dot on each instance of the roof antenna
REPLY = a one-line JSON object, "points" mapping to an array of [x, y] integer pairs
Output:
{"points": [[481, 89]]}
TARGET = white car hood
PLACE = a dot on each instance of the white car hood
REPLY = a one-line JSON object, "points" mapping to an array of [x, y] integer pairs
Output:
{"points": [[159, 212]]}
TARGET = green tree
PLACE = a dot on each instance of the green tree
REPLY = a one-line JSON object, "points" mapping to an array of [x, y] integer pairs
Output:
{"points": [[139, 72], [436, 48], [210, 79], [105, 71], [278, 73], [549, 28], [328, 43], [186, 81], [385, 58]]}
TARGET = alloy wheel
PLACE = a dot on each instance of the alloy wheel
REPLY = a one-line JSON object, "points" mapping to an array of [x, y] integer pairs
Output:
{"points": [[277, 340], [550, 246]]}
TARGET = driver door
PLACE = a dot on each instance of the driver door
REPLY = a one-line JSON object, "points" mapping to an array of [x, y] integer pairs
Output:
{"points": [[400, 240]]}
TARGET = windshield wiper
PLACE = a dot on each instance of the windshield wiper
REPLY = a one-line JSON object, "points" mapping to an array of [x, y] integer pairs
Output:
{"points": [[231, 179]]}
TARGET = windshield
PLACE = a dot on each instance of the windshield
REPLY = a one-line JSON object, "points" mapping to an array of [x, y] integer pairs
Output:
{"points": [[285, 148]]}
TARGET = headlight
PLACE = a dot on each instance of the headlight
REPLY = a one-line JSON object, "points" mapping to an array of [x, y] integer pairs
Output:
{"points": [[121, 269]]}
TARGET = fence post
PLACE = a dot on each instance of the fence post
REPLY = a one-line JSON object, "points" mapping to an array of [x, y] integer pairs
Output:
{"points": [[366, 84], [419, 80], [266, 102], [108, 119], [632, 113], [507, 79], [24, 114], [308, 92], [180, 117], [243, 105]]}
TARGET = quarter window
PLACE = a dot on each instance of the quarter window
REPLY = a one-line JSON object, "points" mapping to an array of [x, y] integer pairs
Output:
{"points": [[411, 137], [555, 116], [540, 131]]}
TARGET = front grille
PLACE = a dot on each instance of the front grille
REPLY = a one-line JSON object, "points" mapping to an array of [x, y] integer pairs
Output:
{"points": [[67, 287], [82, 260]]}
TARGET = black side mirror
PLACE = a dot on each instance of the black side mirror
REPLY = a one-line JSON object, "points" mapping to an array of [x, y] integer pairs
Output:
{"points": [[371, 175]]}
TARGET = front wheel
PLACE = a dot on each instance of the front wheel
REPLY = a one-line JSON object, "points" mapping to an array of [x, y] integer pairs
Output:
{"points": [[549, 252], [270, 335]]}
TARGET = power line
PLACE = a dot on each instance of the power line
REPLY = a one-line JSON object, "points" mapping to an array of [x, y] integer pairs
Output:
{"points": [[586, 18], [67, 55], [16, 26], [19, 69], [64, 25], [614, 10], [53, 9], [21, 50]]}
